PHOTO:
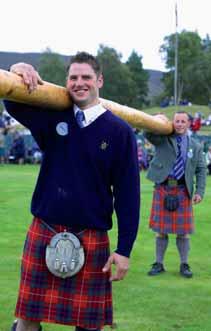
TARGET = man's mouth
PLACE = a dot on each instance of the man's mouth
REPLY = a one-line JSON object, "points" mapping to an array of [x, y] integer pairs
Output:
{"points": [[80, 92]]}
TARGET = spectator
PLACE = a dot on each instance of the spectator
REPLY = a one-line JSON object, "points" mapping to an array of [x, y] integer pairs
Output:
{"points": [[142, 156], [2, 146], [196, 123], [171, 101], [208, 160], [2, 125], [165, 102], [17, 152], [36, 154]]}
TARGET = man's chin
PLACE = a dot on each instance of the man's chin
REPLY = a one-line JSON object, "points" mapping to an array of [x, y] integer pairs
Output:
{"points": [[79, 102], [180, 132]]}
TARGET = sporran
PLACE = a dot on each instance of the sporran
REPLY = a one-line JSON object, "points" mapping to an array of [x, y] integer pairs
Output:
{"points": [[65, 255], [171, 202]]}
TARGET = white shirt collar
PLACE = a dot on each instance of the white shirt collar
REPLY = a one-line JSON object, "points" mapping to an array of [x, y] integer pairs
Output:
{"points": [[91, 114]]}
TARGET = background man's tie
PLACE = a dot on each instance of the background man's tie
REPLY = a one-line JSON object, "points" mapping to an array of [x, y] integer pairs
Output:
{"points": [[80, 117], [179, 168]]}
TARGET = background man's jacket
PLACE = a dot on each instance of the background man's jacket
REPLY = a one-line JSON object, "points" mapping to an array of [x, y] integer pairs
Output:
{"points": [[165, 156]]}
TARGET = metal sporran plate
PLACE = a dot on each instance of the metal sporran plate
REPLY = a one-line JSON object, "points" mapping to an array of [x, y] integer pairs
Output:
{"points": [[65, 255]]}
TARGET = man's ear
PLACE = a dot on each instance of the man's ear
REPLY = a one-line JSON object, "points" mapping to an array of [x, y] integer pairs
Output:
{"points": [[100, 81]]}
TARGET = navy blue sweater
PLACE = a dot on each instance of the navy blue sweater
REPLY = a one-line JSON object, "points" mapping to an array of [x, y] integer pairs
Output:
{"points": [[85, 173]]}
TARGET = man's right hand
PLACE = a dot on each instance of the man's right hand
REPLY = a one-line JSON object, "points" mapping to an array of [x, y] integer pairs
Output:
{"points": [[30, 76], [163, 117]]}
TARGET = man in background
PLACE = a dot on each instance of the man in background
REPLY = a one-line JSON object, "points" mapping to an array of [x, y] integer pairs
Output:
{"points": [[177, 162]]}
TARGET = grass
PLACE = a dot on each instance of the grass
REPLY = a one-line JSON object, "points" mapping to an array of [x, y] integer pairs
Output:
{"points": [[141, 303]]}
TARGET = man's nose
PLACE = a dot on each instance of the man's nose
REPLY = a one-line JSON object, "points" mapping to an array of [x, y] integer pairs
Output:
{"points": [[79, 81]]}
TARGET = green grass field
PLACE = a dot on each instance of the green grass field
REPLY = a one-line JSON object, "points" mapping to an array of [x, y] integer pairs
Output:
{"points": [[164, 303]]}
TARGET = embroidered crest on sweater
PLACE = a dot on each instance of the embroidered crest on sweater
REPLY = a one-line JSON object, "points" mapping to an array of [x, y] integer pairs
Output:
{"points": [[103, 145]]}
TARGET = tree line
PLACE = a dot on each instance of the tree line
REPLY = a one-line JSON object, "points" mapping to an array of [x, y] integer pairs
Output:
{"points": [[194, 67], [127, 82]]}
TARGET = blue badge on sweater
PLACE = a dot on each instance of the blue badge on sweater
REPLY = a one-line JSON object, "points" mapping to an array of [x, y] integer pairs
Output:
{"points": [[62, 128]]}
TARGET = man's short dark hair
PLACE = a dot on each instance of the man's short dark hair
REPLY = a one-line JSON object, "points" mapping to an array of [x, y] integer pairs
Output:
{"points": [[83, 57], [182, 112]]}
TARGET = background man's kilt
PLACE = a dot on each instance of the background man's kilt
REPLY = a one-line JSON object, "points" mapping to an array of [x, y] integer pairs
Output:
{"points": [[164, 221], [83, 300]]}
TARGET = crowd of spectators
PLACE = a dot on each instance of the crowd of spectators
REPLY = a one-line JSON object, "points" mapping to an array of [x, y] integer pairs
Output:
{"points": [[16, 143], [18, 148], [145, 153], [199, 120], [169, 101]]}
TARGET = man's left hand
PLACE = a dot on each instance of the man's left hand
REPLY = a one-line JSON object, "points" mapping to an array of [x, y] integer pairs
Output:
{"points": [[196, 198], [121, 263]]}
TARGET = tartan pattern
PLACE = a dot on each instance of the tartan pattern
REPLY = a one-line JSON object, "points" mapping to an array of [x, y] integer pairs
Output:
{"points": [[164, 221], [84, 300]]}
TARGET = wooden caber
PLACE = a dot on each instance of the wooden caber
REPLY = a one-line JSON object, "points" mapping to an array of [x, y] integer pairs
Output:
{"points": [[56, 97]]}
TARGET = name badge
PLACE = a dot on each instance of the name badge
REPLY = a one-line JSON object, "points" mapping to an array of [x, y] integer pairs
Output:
{"points": [[190, 153]]}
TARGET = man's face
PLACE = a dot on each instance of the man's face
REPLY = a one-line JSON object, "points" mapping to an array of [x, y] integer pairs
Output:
{"points": [[181, 123], [83, 85]]}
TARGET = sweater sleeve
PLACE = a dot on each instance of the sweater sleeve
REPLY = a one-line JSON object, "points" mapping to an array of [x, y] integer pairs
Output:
{"points": [[126, 190]]}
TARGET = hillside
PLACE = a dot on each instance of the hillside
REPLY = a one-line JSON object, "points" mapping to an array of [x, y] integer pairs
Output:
{"points": [[155, 84], [8, 58]]}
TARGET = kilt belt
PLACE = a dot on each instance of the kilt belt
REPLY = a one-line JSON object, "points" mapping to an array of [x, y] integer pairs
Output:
{"points": [[172, 182]]}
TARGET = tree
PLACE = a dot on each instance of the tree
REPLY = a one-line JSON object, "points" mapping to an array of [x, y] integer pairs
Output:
{"points": [[52, 68], [119, 85], [198, 79], [140, 77], [189, 50]]}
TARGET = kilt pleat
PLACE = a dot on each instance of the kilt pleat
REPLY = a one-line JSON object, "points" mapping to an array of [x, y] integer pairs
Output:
{"points": [[84, 300], [164, 221]]}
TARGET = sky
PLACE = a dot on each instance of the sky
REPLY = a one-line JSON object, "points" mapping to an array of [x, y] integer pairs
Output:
{"points": [[67, 26]]}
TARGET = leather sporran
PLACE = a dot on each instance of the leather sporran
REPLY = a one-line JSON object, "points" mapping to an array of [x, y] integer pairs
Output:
{"points": [[171, 202], [65, 255]]}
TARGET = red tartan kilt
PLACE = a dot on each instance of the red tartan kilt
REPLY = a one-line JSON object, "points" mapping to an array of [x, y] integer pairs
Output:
{"points": [[164, 221], [84, 300]]}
